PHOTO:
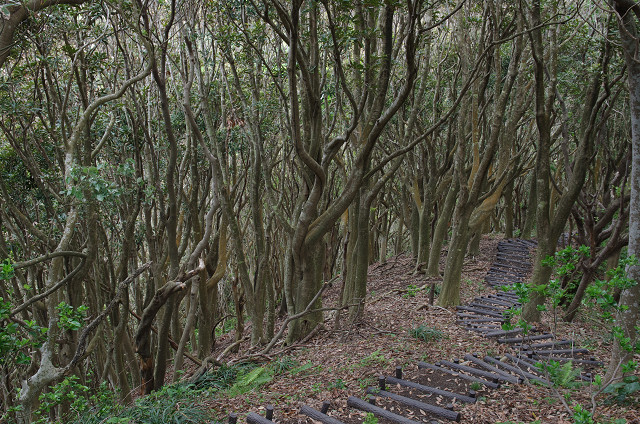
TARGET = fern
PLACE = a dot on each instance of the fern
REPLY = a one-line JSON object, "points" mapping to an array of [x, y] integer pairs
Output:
{"points": [[247, 382], [562, 375]]}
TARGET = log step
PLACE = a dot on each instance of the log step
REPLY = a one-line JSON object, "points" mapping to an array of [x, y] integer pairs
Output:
{"points": [[480, 311], [253, 418], [362, 405], [432, 390], [516, 370], [318, 416], [490, 384], [526, 338], [503, 375], [574, 351], [574, 360], [432, 409], [494, 377]]}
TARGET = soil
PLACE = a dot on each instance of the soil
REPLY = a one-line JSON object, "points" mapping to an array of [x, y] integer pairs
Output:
{"points": [[344, 362]]}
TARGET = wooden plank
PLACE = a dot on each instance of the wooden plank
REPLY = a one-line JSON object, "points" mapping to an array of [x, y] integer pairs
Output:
{"points": [[494, 308], [461, 315], [505, 296], [574, 360], [524, 362], [482, 327], [493, 301], [507, 332], [478, 320], [574, 351], [552, 344]]}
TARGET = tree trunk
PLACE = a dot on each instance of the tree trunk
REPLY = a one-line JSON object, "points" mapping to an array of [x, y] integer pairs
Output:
{"points": [[361, 259], [474, 243], [440, 232], [424, 223], [585, 280], [308, 287], [530, 211], [414, 230], [508, 210], [450, 294], [628, 315]]}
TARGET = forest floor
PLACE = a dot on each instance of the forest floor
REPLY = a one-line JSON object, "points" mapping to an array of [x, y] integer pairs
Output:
{"points": [[336, 364]]}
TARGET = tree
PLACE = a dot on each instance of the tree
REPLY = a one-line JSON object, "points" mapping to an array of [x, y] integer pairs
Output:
{"points": [[552, 215], [474, 203], [628, 15], [13, 15]]}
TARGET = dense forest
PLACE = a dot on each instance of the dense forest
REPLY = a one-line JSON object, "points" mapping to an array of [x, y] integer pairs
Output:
{"points": [[169, 168]]}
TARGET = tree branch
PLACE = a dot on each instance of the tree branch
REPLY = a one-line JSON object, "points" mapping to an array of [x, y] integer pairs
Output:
{"points": [[53, 288]]}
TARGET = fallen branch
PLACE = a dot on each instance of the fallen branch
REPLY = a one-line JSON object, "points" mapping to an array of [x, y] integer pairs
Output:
{"points": [[306, 311], [231, 347], [220, 320], [444, 309], [254, 356]]}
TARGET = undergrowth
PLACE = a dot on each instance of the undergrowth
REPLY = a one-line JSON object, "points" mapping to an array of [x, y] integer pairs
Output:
{"points": [[600, 301], [179, 403], [426, 334]]}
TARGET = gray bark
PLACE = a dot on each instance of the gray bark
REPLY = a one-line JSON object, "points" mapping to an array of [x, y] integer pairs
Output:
{"points": [[629, 313]]}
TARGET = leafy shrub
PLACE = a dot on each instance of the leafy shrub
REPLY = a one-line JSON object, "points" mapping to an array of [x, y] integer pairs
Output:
{"points": [[68, 390], [581, 415], [621, 391], [176, 403], [412, 291]]}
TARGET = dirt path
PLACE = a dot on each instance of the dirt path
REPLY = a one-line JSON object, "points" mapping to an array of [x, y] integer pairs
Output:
{"points": [[403, 334]]}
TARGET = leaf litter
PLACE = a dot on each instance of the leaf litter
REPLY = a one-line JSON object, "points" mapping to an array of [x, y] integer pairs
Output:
{"points": [[349, 359]]}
